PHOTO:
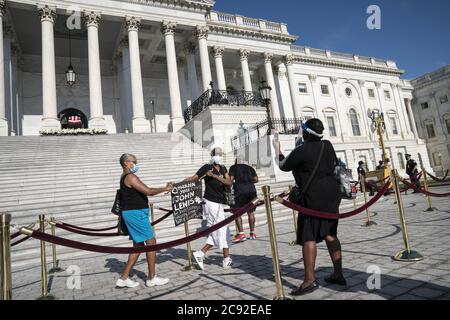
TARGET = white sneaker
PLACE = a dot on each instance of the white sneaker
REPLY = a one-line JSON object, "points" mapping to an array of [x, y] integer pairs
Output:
{"points": [[228, 263], [128, 283], [156, 281], [198, 257]]}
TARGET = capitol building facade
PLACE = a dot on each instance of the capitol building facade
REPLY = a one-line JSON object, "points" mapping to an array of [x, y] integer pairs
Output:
{"points": [[143, 66]]}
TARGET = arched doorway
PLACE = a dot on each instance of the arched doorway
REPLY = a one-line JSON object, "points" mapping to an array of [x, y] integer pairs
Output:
{"points": [[70, 114]]}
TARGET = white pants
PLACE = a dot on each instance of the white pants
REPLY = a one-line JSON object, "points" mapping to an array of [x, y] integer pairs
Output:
{"points": [[214, 213]]}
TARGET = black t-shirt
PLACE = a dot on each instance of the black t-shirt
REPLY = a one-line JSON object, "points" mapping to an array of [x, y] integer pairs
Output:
{"points": [[243, 178], [411, 167], [361, 172], [214, 189]]}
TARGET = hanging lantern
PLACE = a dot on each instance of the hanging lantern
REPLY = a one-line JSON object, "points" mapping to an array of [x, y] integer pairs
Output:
{"points": [[70, 73]]}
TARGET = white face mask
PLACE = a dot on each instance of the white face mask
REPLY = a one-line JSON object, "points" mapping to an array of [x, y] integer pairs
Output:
{"points": [[216, 159]]}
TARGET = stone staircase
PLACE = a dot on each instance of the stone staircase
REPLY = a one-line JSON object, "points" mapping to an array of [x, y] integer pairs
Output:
{"points": [[74, 179]]}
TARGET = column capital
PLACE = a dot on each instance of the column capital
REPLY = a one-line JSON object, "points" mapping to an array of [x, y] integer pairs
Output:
{"points": [[378, 84], [312, 77], [201, 32], [2, 7], [289, 59], [268, 56], [168, 28], [133, 23], [218, 51], [334, 80], [243, 53], [432, 94], [362, 83], [47, 13], [189, 48], [91, 18]]}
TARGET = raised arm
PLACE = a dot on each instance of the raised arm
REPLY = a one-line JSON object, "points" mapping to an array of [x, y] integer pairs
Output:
{"points": [[290, 162], [134, 182]]}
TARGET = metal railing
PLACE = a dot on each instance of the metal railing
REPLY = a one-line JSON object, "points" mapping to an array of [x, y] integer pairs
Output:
{"points": [[281, 126], [219, 97]]}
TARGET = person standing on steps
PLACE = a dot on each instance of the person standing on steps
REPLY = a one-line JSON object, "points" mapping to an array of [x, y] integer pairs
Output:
{"points": [[244, 178], [136, 215], [216, 181], [312, 165]]}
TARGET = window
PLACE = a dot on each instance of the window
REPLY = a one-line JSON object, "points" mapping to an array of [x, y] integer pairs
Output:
{"points": [[447, 122], [348, 92], [355, 123], [430, 130], [324, 89], [331, 126], [443, 99], [393, 124], [371, 93], [308, 116], [387, 95], [302, 88], [424, 105], [437, 158], [401, 160]]}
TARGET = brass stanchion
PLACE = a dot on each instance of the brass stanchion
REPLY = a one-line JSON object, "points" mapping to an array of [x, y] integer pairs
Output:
{"points": [[363, 186], [55, 268], [425, 185], [273, 244], [45, 295], [5, 257], [294, 216], [406, 255], [189, 265]]}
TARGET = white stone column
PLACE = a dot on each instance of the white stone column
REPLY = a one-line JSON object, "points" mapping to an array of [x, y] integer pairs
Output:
{"points": [[243, 53], [189, 50], [399, 106], [3, 120], [293, 86], [339, 110], [140, 123], [271, 82], [284, 94], [202, 36], [411, 118], [362, 95], [218, 56], [176, 111], [49, 102], [96, 120]]}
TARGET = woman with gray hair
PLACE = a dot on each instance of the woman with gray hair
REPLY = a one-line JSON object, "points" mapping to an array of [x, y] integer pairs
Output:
{"points": [[135, 213]]}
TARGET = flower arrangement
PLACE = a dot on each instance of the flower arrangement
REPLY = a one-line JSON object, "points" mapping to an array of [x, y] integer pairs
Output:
{"points": [[71, 132]]}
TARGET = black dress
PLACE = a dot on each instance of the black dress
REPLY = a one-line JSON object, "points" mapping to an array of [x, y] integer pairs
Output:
{"points": [[323, 193]]}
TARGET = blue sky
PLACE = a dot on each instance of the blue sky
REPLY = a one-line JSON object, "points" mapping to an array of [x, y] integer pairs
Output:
{"points": [[414, 33]]}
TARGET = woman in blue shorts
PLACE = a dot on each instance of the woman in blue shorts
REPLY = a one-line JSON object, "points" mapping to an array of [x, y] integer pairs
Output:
{"points": [[135, 213]]}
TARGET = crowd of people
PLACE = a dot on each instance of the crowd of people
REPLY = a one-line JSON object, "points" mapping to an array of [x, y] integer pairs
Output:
{"points": [[312, 164]]}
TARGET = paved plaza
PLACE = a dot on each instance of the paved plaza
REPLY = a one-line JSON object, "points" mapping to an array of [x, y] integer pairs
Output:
{"points": [[363, 248]]}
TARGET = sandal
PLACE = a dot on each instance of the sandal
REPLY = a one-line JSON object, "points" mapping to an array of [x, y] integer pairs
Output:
{"points": [[305, 290]]}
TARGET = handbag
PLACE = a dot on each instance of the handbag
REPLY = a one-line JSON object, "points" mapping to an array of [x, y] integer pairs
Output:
{"points": [[122, 228], [297, 194], [229, 194], [116, 208], [345, 182]]}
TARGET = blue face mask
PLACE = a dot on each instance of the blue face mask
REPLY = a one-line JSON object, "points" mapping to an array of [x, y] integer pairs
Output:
{"points": [[135, 168]]}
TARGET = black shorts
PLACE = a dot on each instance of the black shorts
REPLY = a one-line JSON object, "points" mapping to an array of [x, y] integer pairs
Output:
{"points": [[242, 199]]}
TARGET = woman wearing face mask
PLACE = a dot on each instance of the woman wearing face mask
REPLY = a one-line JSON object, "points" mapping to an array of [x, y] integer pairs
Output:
{"points": [[216, 181], [135, 213]]}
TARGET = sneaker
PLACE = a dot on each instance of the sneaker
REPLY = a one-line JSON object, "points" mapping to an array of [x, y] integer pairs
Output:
{"points": [[252, 236], [198, 257], [128, 283], [228, 263], [156, 281], [239, 238]]}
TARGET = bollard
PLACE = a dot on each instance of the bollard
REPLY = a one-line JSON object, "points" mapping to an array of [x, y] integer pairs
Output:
{"points": [[45, 295], [152, 215], [425, 184], [363, 186], [406, 255], [189, 265], [5, 257], [273, 244], [294, 216], [55, 268]]}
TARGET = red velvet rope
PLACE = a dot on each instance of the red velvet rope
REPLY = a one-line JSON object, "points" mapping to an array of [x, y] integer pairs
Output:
{"points": [[20, 241], [128, 250], [325, 215], [431, 194], [438, 179]]}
